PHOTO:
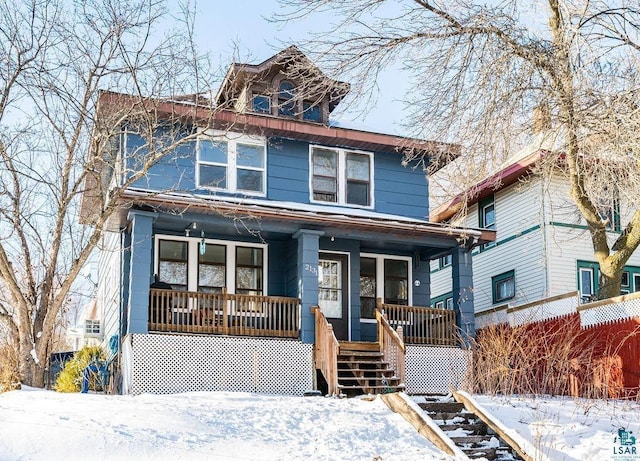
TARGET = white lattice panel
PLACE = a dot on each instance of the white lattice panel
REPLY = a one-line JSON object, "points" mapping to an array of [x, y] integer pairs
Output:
{"points": [[161, 364], [435, 370], [491, 318], [624, 310], [546, 311]]}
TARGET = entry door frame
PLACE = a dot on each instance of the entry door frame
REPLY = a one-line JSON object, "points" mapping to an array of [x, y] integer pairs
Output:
{"points": [[343, 256]]}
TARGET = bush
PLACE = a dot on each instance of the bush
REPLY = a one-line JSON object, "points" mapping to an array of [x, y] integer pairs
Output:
{"points": [[9, 371], [70, 378]]}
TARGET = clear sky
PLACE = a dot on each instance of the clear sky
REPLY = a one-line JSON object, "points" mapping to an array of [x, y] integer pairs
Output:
{"points": [[239, 30]]}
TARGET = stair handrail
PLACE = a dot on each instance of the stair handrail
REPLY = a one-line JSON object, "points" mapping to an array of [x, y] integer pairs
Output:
{"points": [[326, 350], [391, 345]]}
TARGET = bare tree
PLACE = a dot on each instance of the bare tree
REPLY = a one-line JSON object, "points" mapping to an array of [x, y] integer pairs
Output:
{"points": [[478, 70], [58, 59]]}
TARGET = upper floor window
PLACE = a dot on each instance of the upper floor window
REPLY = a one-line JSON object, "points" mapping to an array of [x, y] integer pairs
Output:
{"points": [[487, 216], [444, 261], [503, 287], [286, 99], [232, 164], [310, 112], [261, 103], [341, 177], [92, 327]]}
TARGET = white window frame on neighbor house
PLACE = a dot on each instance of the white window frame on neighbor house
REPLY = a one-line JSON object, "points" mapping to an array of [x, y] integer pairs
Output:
{"points": [[380, 259], [193, 260], [341, 176], [92, 327], [232, 141]]}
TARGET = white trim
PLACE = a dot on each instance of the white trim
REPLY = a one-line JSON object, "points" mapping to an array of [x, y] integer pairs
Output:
{"points": [[341, 172], [232, 139], [347, 288], [230, 258]]}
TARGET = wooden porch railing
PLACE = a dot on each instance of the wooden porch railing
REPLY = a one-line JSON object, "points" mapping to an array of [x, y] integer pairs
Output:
{"points": [[391, 345], [223, 313], [422, 325], [326, 350]]}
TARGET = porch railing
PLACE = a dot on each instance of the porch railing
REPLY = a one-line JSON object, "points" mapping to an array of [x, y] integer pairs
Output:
{"points": [[391, 345], [326, 350], [223, 313], [422, 325]]}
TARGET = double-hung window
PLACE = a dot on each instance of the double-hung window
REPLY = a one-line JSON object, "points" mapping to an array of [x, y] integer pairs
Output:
{"points": [[232, 162], [341, 176], [487, 215]]}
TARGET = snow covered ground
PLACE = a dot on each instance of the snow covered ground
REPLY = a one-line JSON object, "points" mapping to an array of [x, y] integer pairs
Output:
{"points": [[44, 425], [566, 429]]}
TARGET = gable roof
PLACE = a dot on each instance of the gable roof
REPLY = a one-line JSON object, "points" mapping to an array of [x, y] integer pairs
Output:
{"points": [[290, 61]]}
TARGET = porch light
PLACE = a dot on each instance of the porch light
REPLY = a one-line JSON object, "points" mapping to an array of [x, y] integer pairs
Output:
{"points": [[189, 228]]}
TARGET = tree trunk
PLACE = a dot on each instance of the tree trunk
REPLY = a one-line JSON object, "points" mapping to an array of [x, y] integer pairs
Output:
{"points": [[610, 278], [32, 372]]}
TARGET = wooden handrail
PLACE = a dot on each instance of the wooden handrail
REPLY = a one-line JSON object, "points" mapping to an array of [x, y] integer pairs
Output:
{"points": [[422, 325], [391, 345], [223, 313], [326, 350]]}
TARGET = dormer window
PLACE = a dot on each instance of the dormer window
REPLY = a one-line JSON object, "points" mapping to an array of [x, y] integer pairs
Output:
{"points": [[286, 99], [310, 112], [261, 104]]}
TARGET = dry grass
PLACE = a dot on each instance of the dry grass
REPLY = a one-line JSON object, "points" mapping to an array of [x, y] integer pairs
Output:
{"points": [[9, 374], [553, 358]]}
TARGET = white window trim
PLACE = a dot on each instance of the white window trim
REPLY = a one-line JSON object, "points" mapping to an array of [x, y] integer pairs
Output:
{"points": [[232, 139], [380, 276], [591, 276], [342, 177], [192, 259]]}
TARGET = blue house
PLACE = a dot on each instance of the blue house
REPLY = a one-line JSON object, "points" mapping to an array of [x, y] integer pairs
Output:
{"points": [[272, 251]]}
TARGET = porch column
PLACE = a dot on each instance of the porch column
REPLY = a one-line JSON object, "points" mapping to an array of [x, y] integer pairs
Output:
{"points": [[462, 275], [140, 270], [307, 271]]}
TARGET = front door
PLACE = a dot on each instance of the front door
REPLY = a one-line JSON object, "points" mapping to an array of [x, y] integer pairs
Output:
{"points": [[333, 298]]}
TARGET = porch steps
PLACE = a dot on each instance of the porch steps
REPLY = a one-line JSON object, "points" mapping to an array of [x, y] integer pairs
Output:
{"points": [[468, 432], [361, 370]]}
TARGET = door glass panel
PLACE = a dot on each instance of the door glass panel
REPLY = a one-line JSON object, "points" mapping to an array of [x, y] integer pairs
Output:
{"points": [[330, 288], [367, 287], [396, 282]]}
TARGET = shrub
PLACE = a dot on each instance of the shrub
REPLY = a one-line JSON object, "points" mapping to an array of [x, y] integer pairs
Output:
{"points": [[9, 371], [70, 378]]}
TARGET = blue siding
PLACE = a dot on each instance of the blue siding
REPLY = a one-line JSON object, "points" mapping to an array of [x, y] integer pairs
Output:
{"points": [[398, 190]]}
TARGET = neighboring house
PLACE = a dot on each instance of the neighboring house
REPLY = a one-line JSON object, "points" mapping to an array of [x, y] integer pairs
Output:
{"points": [[88, 330], [225, 248], [542, 247]]}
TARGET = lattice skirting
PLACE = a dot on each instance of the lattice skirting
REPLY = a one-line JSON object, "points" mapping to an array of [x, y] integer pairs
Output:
{"points": [[162, 364], [435, 370]]}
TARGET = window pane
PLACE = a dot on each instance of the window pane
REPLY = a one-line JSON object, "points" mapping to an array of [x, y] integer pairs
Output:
{"points": [[489, 216], [286, 101], [248, 155], [323, 184], [213, 176], [311, 112], [250, 180], [325, 163], [396, 268], [211, 276], [249, 279], [249, 256], [174, 273], [358, 193], [586, 285], [213, 151], [262, 104], [214, 254], [358, 167], [174, 250]]}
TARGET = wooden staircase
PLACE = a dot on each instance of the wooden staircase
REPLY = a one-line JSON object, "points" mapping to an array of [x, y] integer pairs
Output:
{"points": [[468, 432], [362, 370]]}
